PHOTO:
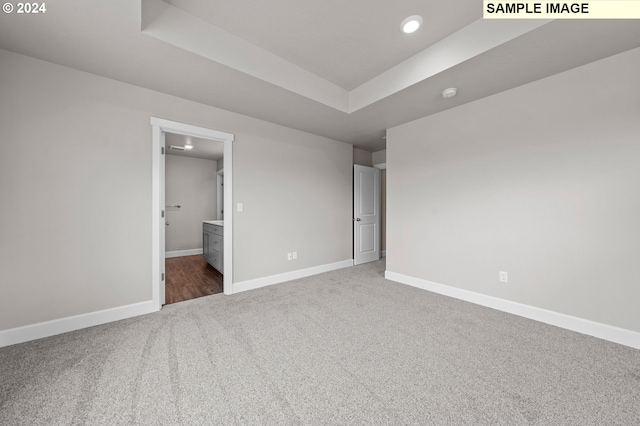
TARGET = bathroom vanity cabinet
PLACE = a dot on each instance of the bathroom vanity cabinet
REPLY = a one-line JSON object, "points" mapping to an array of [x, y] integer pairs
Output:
{"points": [[212, 243]]}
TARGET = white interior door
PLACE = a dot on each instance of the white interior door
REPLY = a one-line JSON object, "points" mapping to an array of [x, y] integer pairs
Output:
{"points": [[366, 214]]}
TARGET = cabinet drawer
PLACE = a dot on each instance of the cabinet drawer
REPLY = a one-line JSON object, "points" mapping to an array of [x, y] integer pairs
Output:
{"points": [[219, 264], [214, 229], [215, 242], [216, 260]]}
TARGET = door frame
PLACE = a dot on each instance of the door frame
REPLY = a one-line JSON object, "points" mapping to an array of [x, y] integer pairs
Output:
{"points": [[383, 253], [159, 128]]}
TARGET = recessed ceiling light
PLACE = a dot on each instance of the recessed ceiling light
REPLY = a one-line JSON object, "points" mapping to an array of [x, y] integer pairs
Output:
{"points": [[411, 24], [188, 147], [449, 93]]}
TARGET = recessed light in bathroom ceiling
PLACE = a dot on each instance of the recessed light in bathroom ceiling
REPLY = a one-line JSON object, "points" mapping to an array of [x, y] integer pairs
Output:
{"points": [[180, 147], [411, 24]]}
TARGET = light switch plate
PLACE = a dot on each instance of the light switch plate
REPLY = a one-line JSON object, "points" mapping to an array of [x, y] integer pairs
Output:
{"points": [[240, 207]]}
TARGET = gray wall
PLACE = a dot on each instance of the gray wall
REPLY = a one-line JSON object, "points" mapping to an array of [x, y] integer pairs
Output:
{"points": [[296, 196], [379, 157], [75, 179], [362, 157], [540, 181], [191, 183]]}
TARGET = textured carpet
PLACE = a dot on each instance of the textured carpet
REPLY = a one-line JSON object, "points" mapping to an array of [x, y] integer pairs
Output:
{"points": [[344, 347]]}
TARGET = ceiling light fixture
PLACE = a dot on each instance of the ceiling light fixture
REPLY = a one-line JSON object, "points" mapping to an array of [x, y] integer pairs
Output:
{"points": [[449, 93], [411, 24], [181, 147]]}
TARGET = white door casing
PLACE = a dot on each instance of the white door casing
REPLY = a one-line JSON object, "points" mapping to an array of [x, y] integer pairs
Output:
{"points": [[163, 223], [159, 127], [366, 214]]}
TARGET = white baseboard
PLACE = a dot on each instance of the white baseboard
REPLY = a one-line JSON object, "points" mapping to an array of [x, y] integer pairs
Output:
{"points": [[580, 325], [180, 253], [63, 325], [288, 276]]}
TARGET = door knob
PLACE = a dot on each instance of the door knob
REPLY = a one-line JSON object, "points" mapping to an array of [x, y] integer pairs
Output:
{"points": [[167, 224], [358, 220]]}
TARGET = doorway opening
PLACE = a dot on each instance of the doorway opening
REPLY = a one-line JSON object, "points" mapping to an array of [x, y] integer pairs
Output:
{"points": [[193, 197], [161, 129], [366, 214]]}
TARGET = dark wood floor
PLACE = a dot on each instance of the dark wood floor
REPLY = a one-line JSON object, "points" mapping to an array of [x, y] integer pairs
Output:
{"points": [[189, 277]]}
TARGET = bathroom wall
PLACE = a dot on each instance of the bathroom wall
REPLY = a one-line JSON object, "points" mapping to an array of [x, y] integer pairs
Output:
{"points": [[191, 183]]}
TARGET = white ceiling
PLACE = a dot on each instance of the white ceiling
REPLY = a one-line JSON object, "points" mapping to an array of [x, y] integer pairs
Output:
{"points": [[202, 148], [345, 42], [340, 69]]}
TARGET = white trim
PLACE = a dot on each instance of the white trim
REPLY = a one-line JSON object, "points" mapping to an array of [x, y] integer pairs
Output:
{"points": [[26, 333], [383, 253], [157, 204], [227, 233], [159, 127], [288, 276], [181, 253], [189, 130], [603, 331], [381, 166]]}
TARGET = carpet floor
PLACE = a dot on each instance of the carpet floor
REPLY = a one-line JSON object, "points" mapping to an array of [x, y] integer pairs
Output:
{"points": [[343, 347]]}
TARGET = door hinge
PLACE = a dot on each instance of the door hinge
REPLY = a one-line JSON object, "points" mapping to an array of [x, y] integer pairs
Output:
{"points": [[161, 213], [163, 276], [162, 150]]}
